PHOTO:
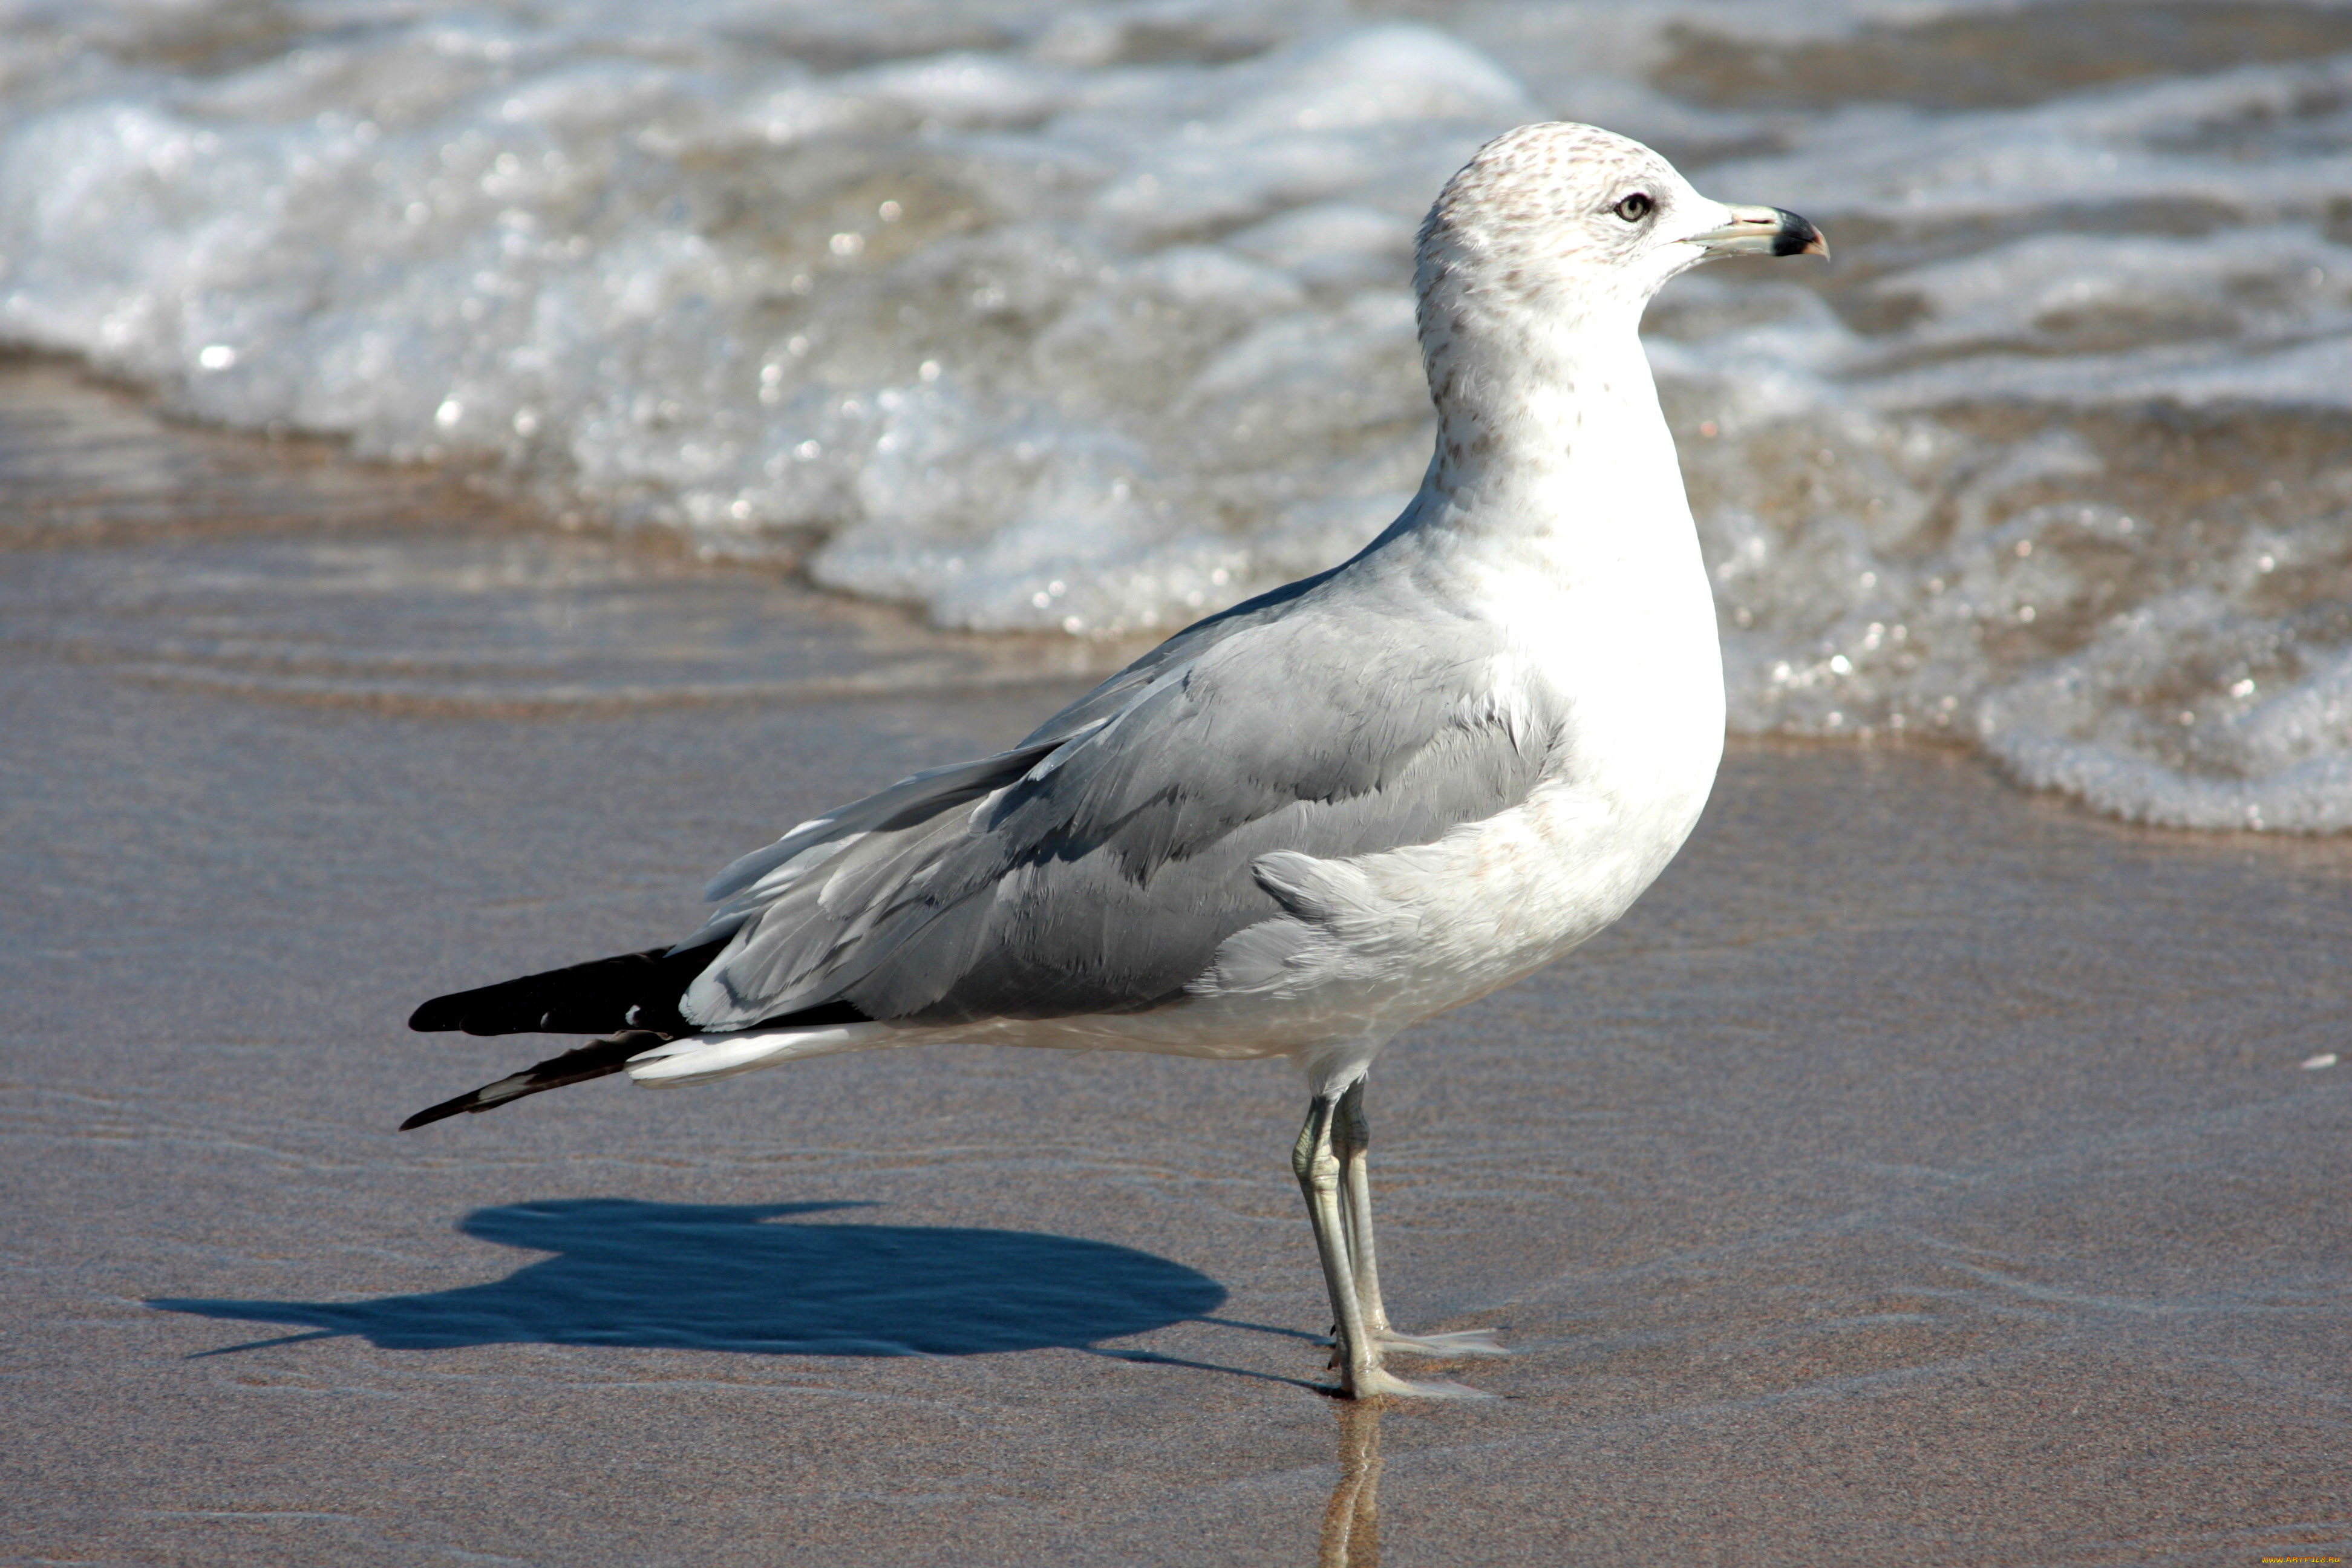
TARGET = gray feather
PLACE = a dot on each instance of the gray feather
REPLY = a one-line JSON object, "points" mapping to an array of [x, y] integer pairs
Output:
{"points": [[755, 881], [1096, 867]]}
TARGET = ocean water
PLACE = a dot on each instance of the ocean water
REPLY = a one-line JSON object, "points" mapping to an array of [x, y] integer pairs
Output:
{"points": [[1092, 319]]}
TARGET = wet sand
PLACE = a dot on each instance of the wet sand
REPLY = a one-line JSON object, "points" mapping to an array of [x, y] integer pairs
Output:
{"points": [[1923, 1173]]}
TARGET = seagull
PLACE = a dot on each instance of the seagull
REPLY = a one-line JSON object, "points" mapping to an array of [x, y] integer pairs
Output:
{"points": [[1304, 824]]}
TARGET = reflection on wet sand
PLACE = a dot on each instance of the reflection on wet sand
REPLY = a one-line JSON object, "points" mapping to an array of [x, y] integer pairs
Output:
{"points": [[231, 566], [1352, 1521]]}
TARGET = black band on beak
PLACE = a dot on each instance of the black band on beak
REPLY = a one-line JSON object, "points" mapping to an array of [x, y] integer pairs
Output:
{"points": [[1798, 236], [1762, 231]]}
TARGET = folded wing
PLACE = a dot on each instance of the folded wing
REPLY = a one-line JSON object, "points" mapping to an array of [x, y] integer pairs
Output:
{"points": [[1096, 867]]}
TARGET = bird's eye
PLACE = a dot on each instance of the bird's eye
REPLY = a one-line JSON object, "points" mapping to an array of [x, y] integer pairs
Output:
{"points": [[1635, 207]]}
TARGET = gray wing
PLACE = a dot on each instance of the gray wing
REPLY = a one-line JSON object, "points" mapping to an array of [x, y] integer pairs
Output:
{"points": [[1096, 866], [1192, 642]]}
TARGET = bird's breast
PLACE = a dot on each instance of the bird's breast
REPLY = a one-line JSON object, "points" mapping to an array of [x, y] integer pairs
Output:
{"points": [[1625, 646]]}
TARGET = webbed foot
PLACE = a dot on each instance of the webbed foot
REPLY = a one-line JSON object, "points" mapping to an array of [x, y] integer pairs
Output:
{"points": [[1468, 1341], [1381, 1380]]}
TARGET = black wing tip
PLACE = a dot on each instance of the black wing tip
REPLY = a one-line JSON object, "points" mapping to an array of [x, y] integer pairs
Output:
{"points": [[629, 990], [480, 1012], [598, 1058], [446, 1109]]}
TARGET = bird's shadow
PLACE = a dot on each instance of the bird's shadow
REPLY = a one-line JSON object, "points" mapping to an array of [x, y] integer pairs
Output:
{"points": [[728, 1278]]}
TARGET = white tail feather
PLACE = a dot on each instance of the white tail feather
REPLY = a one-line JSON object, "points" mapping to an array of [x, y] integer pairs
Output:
{"points": [[705, 1058]]}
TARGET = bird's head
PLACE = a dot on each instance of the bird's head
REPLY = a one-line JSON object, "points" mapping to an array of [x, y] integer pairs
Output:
{"points": [[1576, 224]]}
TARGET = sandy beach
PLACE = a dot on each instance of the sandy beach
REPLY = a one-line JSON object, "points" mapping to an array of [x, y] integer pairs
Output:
{"points": [[1925, 1172]]}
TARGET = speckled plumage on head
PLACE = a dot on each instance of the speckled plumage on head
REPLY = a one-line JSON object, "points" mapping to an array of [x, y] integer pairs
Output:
{"points": [[1530, 285], [1530, 223]]}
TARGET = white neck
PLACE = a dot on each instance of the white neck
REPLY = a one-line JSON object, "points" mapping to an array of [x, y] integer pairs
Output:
{"points": [[1551, 436], [1554, 508]]}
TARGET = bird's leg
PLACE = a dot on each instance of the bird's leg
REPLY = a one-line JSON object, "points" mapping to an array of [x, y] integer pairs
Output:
{"points": [[1351, 1138], [1358, 1351], [1313, 1162]]}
